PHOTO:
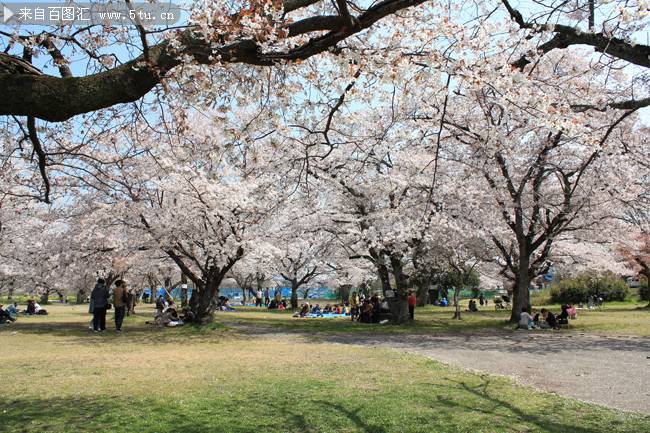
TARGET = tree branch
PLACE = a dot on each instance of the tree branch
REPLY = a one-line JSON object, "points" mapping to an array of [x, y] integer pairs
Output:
{"points": [[58, 99]]}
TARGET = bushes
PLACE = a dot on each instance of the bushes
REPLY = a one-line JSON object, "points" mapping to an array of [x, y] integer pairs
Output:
{"points": [[576, 290]]}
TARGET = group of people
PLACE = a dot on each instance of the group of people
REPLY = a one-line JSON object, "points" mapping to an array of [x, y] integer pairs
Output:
{"points": [[100, 303], [166, 313], [317, 311], [546, 319], [11, 312], [358, 307], [265, 295], [278, 304]]}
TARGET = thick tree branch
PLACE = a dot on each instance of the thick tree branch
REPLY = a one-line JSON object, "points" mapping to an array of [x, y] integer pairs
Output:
{"points": [[58, 99], [41, 155], [566, 36]]}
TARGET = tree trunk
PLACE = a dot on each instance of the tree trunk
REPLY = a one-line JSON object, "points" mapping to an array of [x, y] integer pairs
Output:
{"points": [[45, 297], [10, 293], [81, 296], [422, 293], [456, 304], [294, 295], [344, 292], [202, 300], [384, 277], [645, 271], [152, 288], [520, 293], [401, 287], [184, 300], [259, 280], [305, 294]]}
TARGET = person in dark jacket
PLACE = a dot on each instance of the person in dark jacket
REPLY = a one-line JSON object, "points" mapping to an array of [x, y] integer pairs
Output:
{"points": [[99, 298], [550, 319]]}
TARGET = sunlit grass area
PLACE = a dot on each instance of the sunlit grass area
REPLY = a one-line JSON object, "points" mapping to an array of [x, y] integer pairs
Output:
{"points": [[621, 318], [59, 377]]}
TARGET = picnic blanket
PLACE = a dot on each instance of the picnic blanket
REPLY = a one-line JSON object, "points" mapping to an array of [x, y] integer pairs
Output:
{"points": [[325, 316]]}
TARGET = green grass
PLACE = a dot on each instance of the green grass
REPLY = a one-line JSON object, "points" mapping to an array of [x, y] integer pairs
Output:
{"points": [[59, 377]]}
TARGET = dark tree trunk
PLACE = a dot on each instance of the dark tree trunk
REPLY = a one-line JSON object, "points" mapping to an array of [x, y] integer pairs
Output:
{"points": [[184, 300], [153, 289], [45, 297], [10, 293], [384, 277], [259, 280], [646, 273], [457, 315], [344, 292], [305, 294], [294, 294], [168, 286], [81, 296], [520, 293], [422, 292], [401, 286], [202, 300]]}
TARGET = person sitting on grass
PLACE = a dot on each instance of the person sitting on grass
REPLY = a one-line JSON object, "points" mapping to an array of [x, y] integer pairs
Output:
{"points": [[188, 315], [337, 309], [281, 307], [31, 307], [366, 312], [12, 309], [160, 303], [525, 320], [536, 317], [573, 312], [39, 310], [225, 306], [550, 321], [472, 306], [305, 310], [5, 317]]}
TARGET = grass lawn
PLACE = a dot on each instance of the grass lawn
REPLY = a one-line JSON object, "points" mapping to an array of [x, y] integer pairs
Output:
{"points": [[59, 377]]}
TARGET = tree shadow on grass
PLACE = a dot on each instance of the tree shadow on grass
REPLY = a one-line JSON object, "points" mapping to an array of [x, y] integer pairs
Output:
{"points": [[135, 333], [514, 414], [455, 406], [353, 416]]}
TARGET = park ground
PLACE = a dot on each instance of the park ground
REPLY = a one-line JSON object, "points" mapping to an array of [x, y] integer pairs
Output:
{"points": [[262, 371]]}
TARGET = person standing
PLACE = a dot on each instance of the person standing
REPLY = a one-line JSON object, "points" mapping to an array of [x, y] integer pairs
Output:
{"points": [[99, 298], [412, 300], [258, 298], [355, 304], [120, 299], [267, 297]]}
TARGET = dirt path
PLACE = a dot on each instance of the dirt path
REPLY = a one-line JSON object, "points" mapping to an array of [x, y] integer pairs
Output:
{"points": [[612, 371], [607, 370]]}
